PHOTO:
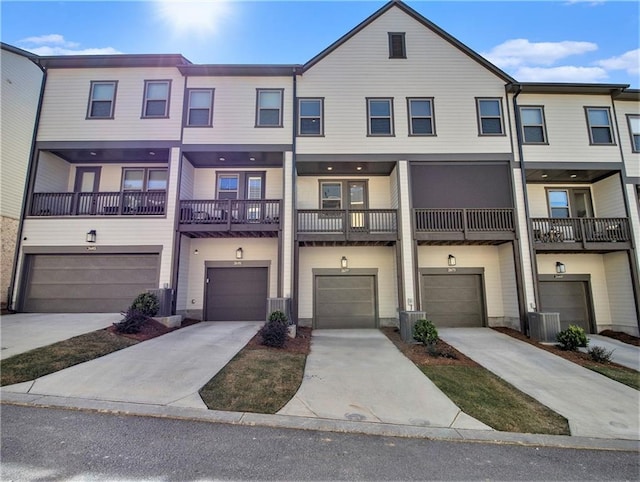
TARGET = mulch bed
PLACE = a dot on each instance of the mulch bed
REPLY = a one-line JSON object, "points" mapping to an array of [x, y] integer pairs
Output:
{"points": [[621, 336], [151, 329], [301, 344]]}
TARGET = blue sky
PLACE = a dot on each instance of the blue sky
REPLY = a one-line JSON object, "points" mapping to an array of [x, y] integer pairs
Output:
{"points": [[537, 41]]}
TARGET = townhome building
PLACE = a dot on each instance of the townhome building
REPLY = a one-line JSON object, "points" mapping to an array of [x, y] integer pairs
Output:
{"points": [[395, 171]]}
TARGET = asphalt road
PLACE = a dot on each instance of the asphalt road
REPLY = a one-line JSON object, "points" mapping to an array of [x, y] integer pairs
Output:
{"points": [[52, 444]]}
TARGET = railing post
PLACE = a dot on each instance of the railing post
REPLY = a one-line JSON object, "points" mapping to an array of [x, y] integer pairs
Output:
{"points": [[229, 214], [583, 232], [346, 224], [464, 222]]}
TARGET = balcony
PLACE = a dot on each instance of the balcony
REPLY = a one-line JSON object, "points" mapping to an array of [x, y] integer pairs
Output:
{"points": [[463, 225], [150, 203], [378, 226], [580, 234], [230, 218]]}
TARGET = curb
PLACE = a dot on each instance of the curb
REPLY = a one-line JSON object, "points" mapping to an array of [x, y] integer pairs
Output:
{"points": [[319, 424]]}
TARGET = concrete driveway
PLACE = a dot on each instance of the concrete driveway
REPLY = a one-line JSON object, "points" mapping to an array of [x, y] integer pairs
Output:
{"points": [[623, 353], [22, 332], [594, 405], [167, 370], [360, 375]]}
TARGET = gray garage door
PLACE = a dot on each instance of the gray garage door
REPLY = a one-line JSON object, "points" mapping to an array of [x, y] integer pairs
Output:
{"points": [[87, 283], [345, 302], [237, 294], [453, 300], [570, 299]]}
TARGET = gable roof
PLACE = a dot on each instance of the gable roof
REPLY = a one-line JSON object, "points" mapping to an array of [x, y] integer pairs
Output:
{"points": [[428, 24]]}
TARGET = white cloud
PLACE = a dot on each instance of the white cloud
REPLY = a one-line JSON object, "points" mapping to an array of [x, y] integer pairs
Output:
{"points": [[55, 44], [628, 61], [568, 73], [522, 52], [591, 3]]}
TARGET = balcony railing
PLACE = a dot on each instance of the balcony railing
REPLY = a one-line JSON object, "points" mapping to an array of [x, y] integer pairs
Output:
{"points": [[348, 224], [464, 222], [98, 203], [581, 230], [230, 212]]}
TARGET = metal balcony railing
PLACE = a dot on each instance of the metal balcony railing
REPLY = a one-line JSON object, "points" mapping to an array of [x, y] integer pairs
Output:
{"points": [[230, 211], [464, 220], [345, 221], [578, 230], [127, 203]]}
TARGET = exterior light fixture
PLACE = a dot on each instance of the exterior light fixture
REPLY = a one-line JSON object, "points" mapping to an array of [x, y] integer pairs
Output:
{"points": [[221, 159], [573, 176], [239, 253], [91, 236], [344, 263], [544, 176], [196, 252], [252, 158], [451, 260], [359, 168], [151, 153], [329, 168], [560, 267], [93, 153]]}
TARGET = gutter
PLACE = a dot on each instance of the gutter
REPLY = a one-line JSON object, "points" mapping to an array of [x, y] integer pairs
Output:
{"points": [[294, 130], [27, 187]]}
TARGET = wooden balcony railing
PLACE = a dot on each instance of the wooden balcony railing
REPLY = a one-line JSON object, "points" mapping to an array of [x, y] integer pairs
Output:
{"points": [[581, 230], [230, 212], [464, 220], [128, 203], [348, 224]]}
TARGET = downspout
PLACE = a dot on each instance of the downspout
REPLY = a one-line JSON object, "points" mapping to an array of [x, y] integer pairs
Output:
{"points": [[294, 236], [27, 187], [523, 174]]}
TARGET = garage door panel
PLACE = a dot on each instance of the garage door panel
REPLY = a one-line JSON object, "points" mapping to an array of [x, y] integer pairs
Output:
{"points": [[237, 294], [453, 300], [345, 302], [107, 275], [570, 299]]}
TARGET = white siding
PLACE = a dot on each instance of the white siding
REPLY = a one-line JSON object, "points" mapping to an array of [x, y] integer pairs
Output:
{"points": [[20, 90], [631, 159], [308, 190], [66, 100], [509, 285], [410, 301], [182, 301], [634, 218], [523, 239], [567, 130], [234, 111], [187, 180], [53, 174], [583, 263], [608, 200], [619, 287], [382, 258], [287, 237], [255, 249], [361, 68]]}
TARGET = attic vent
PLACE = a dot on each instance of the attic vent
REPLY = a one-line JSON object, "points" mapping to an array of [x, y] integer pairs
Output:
{"points": [[397, 48]]}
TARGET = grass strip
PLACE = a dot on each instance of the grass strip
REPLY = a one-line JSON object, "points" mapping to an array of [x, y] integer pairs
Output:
{"points": [[484, 396], [629, 377], [52, 358], [255, 380]]}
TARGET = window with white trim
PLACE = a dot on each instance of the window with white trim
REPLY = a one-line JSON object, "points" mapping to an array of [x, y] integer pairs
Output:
{"points": [[269, 108], [634, 131], [102, 99], [200, 108], [533, 127], [380, 117], [490, 117], [599, 122], [156, 98], [310, 117], [421, 117]]}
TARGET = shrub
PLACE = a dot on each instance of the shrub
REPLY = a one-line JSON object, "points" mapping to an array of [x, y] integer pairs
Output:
{"points": [[274, 333], [132, 322], [279, 316], [146, 303], [600, 354], [571, 338], [426, 333]]}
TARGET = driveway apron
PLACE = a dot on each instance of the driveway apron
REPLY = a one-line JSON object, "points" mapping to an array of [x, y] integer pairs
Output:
{"points": [[594, 405], [167, 370], [622, 353], [359, 375]]}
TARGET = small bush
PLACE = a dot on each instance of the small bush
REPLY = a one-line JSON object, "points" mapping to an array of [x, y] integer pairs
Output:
{"points": [[146, 303], [279, 316], [132, 322], [600, 354], [571, 338], [426, 333], [274, 333]]}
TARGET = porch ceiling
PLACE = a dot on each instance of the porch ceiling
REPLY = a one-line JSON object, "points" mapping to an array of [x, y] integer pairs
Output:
{"points": [[468, 242], [117, 155], [341, 168], [216, 158], [566, 175]]}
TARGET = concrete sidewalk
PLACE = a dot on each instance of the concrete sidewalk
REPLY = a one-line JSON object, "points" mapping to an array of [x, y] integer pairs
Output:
{"points": [[623, 353], [22, 332], [360, 375], [167, 370], [594, 405]]}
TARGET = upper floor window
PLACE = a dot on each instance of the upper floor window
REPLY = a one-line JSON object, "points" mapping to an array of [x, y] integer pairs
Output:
{"points": [[310, 117], [200, 108], [634, 131], [599, 122], [331, 195], [269, 108], [421, 117], [490, 117], [156, 98], [533, 128], [228, 186], [142, 179], [570, 202], [102, 99], [379, 117], [397, 46]]}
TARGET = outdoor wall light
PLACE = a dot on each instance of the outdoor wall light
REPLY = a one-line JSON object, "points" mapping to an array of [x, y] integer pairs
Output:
{"points": [[91, 236], [344, 263], [451, 260], [239, 253], [560, 267], [195, 251]]}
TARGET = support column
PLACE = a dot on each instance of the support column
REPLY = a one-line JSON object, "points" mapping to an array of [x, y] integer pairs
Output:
{"points": [[407, 244], [288, 225]]}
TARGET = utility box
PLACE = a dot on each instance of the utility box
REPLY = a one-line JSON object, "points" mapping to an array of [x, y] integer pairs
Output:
{"points": [[279, 304], [407, 320], [165, 299], [544, 326]]}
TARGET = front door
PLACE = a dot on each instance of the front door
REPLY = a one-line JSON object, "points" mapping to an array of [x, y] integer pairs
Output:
{"points": [[357, 205], [86, 186]]}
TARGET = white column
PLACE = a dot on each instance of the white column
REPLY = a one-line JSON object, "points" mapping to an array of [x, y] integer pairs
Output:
{"points": [[528, 276], [287, 226], [408, 262]]}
